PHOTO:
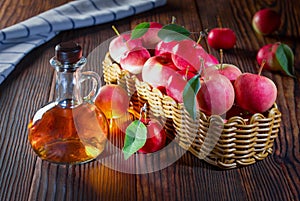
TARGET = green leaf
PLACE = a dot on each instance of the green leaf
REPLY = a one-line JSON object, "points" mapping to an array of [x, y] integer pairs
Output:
{"points": [[173, 32], [135, 138], [140, 30], [285, 57], [189, 95]]}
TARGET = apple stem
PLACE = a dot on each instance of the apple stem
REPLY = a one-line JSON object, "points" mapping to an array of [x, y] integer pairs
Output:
{"points": [[199, 39], [143, 112], [173, 20], [186, 73], [261, 66], [201, 36], [219, 21], [221, 58], [118, 34], [115, 30]]}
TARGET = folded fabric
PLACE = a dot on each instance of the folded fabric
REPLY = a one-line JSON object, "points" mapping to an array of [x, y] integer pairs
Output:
{"points": [[18, 40]]}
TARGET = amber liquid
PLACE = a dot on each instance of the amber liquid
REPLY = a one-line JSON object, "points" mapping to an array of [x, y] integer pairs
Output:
{"points": [[68, 135]]}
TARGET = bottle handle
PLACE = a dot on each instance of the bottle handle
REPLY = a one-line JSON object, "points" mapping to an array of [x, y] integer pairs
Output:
{"points": [[96, 81]]}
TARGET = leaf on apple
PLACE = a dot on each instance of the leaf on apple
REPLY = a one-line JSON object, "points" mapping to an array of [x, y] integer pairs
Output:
{"points": [[171, 32], [135, 138], [140, 30], [189, 95], [285, 57]]}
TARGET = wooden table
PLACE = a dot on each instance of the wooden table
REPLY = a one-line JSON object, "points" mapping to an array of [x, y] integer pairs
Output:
{"points": [[23, 176]]}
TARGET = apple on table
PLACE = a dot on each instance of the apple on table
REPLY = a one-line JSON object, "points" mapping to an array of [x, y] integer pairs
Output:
{"points": [[266, 21], [113, 101], [276, 57], [221, 38]]}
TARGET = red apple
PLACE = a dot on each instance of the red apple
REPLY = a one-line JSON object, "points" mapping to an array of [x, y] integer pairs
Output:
{"points": [[276, 57], [228, 70], [122, 43], [164, 47], [175, 87], [156, 137], [255, 93], [187, 54], [216, 95], [157, 70], [112, 100], [221, 38], [266, 21], [150, 38], [134, 59], [268, 53]]}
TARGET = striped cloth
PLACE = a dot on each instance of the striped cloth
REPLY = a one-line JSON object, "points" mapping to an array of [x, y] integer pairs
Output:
{"points": [[18, 40]]}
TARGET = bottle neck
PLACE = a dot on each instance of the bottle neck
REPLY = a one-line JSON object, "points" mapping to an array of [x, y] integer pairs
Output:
{"points": [[68, 89], [68, 83]]}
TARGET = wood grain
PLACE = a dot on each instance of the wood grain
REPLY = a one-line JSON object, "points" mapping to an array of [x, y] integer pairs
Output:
{"points": [[23, 176]]}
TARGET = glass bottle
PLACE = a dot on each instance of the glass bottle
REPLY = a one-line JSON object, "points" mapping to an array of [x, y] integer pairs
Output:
{"points": [[70, 130]]}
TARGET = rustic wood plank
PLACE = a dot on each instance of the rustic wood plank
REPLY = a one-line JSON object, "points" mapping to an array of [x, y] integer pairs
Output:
{"points": [[23, 176], [24, 10]]}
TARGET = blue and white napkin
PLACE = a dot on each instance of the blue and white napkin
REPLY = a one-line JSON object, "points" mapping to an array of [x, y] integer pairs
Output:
{"points": [[18, 40]]}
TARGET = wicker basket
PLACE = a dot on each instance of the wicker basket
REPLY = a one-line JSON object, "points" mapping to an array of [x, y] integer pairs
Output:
{"points": [[236, 143]]}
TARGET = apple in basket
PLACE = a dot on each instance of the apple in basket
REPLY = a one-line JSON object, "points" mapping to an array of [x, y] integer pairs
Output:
{"points": [[150, 39], [216, 95], [255, 92], [228, 70], [175, 87], [121, 44], [157, 70], [163, 48], [133, 60], [188, 54]]}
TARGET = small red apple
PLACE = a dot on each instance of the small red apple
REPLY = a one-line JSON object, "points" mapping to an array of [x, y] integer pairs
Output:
{"points": [[187, 55], [175, 87], [157, 70], [216, 94], [156, 137], [268, 53], [221, 38], [150, 38], [254, 92], [122, 43], [113, 101], [134, 59], [276, 57], [164, 47], [228, 70], [266, 21]]}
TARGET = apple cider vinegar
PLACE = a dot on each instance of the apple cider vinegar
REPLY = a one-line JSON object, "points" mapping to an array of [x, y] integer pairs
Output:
{"points": [[71, 129], [68, 135]]}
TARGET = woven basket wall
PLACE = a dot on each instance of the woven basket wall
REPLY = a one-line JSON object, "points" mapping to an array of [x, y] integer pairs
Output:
{"points": [[235, 143]]}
